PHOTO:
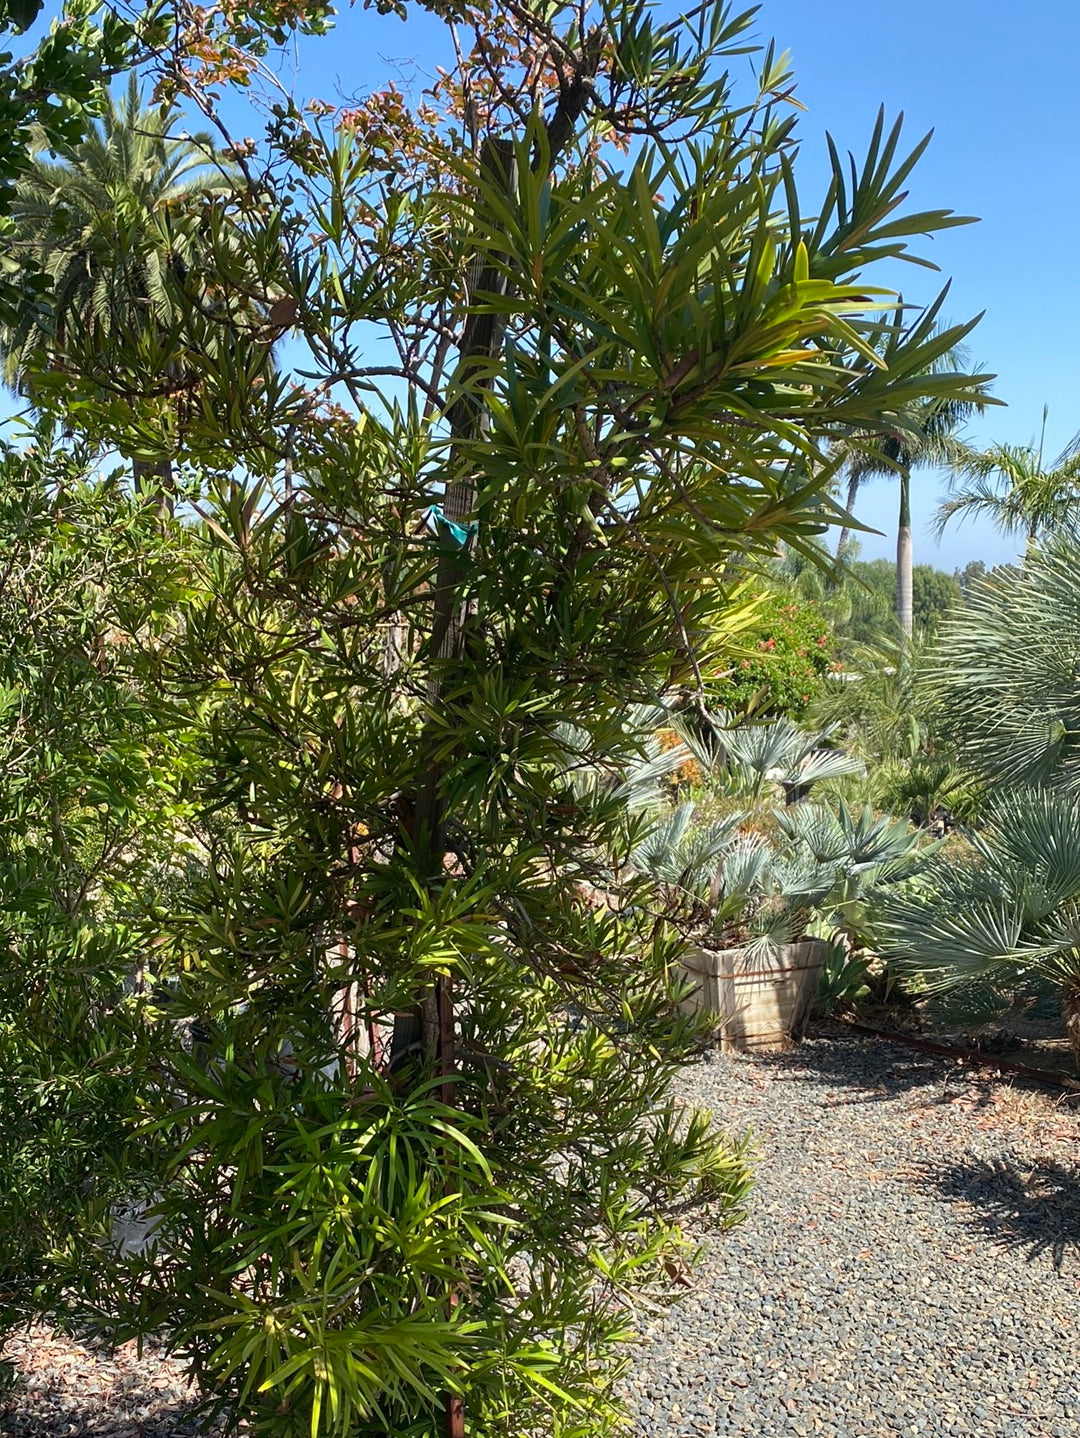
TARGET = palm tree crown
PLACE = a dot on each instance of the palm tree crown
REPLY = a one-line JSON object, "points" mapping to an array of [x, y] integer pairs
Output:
{"points": [[1011, 485], [105, 219], [922, 433]]}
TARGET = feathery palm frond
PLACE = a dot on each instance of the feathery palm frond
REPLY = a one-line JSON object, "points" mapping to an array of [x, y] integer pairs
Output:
{"points": [[103, 220], [1008, 484]]}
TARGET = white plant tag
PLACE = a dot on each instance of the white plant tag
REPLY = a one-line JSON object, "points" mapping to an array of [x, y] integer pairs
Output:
{"points": [[134, 1230]]}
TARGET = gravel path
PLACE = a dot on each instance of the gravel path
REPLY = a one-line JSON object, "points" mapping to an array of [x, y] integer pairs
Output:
{"points": [[910, 1265]]}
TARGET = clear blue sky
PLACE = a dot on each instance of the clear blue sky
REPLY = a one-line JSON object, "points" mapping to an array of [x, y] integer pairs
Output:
{"points": [[997, 85]]}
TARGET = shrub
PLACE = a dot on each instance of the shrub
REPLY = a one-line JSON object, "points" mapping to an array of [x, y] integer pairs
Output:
{"points": [[782, 663]]}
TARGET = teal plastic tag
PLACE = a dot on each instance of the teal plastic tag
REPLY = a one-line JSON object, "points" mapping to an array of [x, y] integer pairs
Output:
{"points": [[459, 533]]}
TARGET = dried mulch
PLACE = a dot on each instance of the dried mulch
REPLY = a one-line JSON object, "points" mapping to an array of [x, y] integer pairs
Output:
{"points": [[69, 1389]]}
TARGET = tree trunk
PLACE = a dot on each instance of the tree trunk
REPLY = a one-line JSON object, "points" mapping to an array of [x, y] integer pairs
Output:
{"points": [[427, 1032], [904, 560], [1071, 1010], [154, 480], [852, 495], [417, 1033]]}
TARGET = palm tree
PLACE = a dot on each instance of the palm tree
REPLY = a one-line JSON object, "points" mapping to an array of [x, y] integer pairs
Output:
{"points": [[1002, 919], [110, 221], [922, 433], [1004, 671], [1003, 914], [1011, 485]]}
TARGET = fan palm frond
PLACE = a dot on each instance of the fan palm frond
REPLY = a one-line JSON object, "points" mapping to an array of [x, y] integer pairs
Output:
{"points": [[676, 853], [779, 752], [1005, 672], [1007, 914]]}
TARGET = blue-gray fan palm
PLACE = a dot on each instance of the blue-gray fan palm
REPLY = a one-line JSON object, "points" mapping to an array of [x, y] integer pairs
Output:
{"points": [[1003, 914], [1006, 672]]}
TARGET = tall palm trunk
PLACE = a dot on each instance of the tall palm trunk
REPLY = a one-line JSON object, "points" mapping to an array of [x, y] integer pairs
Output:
{"points": [[852, 495], [904, 558], [154, 479]]}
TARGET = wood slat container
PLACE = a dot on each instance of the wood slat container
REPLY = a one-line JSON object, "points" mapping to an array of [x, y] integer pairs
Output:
{"points": [[761, 1001]]}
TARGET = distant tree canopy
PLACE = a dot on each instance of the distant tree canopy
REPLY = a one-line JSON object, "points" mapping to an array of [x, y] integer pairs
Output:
{"points": [[872, 590], [972, 572], [934, 594], [859, 608]]}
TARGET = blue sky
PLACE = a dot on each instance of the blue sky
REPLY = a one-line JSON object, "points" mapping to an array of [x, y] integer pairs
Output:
{"points": [[996, 84]]}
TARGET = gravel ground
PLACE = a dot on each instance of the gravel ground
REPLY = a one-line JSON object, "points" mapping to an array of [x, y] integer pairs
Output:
{"points": [[910, 1265]]}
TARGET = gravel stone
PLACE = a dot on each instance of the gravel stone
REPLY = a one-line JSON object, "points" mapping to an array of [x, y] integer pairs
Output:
{"points": [[910, 1264]]}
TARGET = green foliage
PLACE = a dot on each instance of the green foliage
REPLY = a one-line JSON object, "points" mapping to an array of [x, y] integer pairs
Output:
{"points": [[53, 91], [858, 853], [113, 223], [934, 596], [395, 1087], [1002, 918], [779, 758], [766, 874], [324, 1215], [999, 921], [789, 651], [869, 596], [48, 97], [969, 577], [929, 787], [885, 711], [922, 432], [858, 598], [88, 816], [1004, 672], [844, 979], [1013, 486], [809, 869]]}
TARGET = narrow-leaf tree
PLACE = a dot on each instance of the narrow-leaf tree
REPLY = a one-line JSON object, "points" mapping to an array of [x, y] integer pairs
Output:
{"points": [[574, 344]]}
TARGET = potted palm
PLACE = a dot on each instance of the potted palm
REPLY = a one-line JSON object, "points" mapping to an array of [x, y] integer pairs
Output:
{"points": [[766, 890], [756, 965]]}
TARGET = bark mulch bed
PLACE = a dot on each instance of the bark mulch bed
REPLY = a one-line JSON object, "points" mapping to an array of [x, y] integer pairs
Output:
{"points": [[69, 1389]]}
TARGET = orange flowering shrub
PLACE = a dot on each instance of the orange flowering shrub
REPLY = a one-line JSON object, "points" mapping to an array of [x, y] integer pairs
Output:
{"points": [[687, 774]]}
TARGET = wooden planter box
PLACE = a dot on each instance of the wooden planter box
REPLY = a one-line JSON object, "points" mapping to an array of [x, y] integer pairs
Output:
{"points": [[761, 1001]]}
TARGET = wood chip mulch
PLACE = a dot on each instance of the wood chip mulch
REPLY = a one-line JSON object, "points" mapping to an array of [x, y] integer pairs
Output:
{"points": [[69, 1389]]}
